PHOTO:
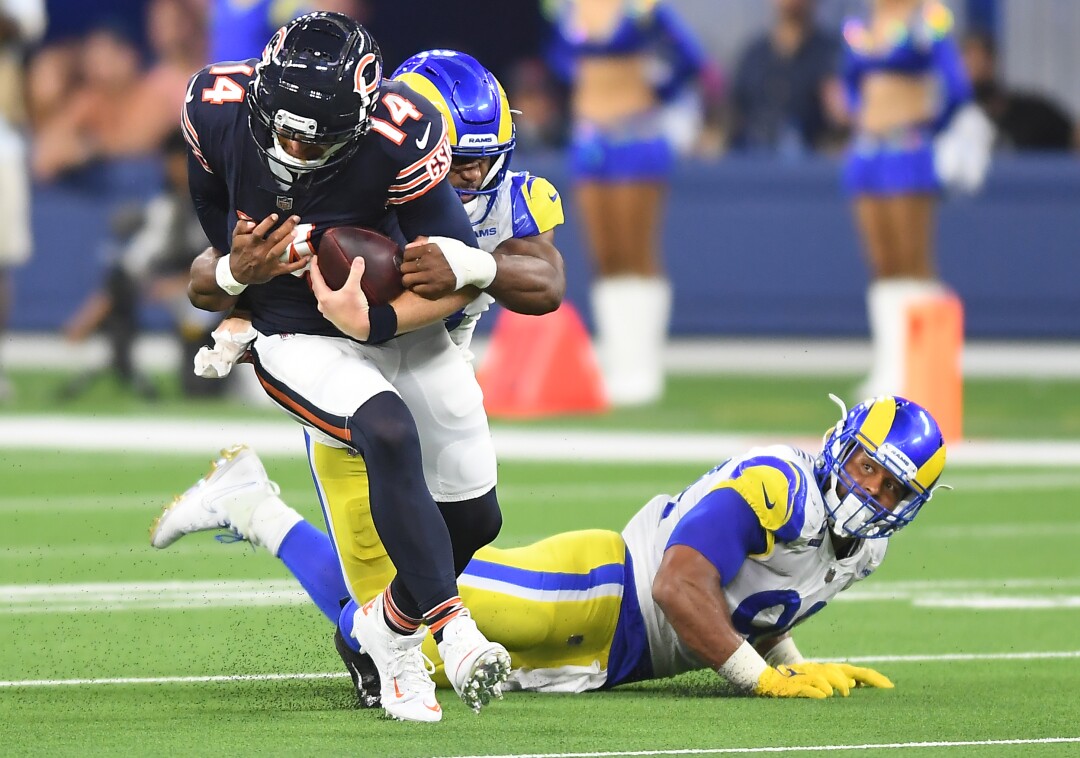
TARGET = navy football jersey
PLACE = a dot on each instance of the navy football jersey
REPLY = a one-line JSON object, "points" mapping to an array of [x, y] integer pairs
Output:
{"points": [[395, 182]]}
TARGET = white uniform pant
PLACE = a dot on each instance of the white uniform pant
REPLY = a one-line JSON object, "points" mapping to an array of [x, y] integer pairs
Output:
{"points": [[322, 381]]}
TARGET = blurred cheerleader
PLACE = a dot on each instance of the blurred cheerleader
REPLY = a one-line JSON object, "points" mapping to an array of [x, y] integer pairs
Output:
{"points": [[914, 134], [626, 59]]}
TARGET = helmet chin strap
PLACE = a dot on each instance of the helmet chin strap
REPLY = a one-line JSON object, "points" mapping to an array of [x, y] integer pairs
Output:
{"points": [[493, 171], [298, 163]]}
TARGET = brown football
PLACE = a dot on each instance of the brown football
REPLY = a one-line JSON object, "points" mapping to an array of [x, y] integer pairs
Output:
{"points": [[382, 275]]}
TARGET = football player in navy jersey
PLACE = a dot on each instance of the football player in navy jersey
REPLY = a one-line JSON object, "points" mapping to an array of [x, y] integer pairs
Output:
{"points": [[514, 214], [714, 577], [310, 137]]}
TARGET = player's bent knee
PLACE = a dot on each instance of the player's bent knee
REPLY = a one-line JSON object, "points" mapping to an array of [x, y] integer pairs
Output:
{"points": [[472, 524], [488, 518], [383, 425]]}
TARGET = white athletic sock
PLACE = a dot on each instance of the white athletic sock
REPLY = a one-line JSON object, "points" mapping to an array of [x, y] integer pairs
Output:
{"points": [[632, 314], [271, 520], [887, 303]]}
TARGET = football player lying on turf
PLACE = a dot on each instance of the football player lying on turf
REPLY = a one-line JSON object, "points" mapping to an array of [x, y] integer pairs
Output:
{"points": [[714, 577]]}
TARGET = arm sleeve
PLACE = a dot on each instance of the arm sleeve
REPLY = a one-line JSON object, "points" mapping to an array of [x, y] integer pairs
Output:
{"points": [[560, 56], [850, 74], [211, 201], [438, 212], [684, 53], [723, 528], [955, 86]]}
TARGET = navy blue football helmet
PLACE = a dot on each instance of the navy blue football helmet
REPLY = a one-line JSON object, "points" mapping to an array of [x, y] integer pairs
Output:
{"points": [[474, 105], [318, 83], [905, 440]]}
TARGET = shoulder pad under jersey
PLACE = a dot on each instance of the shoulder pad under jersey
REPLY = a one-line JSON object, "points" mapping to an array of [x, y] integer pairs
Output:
{"points": [[214, 107], [776, 491], [414, 137], [536, 206]]}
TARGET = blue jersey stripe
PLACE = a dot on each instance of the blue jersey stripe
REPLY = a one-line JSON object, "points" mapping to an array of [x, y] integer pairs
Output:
{"points": [[629, 659]]}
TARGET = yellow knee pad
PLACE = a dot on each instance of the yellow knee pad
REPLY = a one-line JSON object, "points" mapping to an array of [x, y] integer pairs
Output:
{"points": [[342, 478]]}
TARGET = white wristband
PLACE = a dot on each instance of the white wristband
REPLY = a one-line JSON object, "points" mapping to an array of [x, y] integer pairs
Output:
{"points": [[470, 265], [783, 652], [225, 279], [744, 667]]}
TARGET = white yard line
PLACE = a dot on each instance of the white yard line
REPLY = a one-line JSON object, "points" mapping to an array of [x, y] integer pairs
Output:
{"points": [[169, 680], [987, 594], [223, 679], [141, 596], [790, 749], [790, 356], [205, 436]]}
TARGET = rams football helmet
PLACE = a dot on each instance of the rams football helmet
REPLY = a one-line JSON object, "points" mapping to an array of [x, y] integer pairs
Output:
{"points": [[904, 439], [475, 107], [318, 83]]}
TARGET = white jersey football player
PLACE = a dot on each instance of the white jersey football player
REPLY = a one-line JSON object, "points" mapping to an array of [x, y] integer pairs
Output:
{"points": [[513, 213], [715, 577]]}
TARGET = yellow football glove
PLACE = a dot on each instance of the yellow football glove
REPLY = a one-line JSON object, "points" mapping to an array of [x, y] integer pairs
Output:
{"points": [[843, 676], [866, 677], [785, 681]]}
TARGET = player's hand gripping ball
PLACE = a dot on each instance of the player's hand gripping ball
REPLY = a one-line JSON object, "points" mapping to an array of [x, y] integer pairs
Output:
{"points": [[382, 258]]}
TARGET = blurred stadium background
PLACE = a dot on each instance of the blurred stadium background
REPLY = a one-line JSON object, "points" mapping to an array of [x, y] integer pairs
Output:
{"points": [[101, 420]]}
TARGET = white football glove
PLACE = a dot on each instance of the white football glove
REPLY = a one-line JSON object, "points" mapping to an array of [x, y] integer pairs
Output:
{"points": [[231, 340]]}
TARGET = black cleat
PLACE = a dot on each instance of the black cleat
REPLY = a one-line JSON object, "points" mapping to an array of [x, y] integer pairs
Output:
{"points": [[362, 669]]}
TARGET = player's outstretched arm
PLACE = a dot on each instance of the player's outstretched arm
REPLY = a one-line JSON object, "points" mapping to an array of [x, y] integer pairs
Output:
{"points": [[524, 274], [687, 588], [843, 677], [203, 290], [348, 308], [415, 312], [530, 278], [254, 258]]}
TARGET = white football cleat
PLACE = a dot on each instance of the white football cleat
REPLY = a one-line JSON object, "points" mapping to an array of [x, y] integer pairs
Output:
{"points": [[407, 692], [226, 498], [475, 666]]}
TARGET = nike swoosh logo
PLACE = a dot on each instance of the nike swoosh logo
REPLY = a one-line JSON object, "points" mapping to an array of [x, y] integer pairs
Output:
{"points": [[422, 142], [433, 708], [765, 496], [397, 691], [553, 196]]}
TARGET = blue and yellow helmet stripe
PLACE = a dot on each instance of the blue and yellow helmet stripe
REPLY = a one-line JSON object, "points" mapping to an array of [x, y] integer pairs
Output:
{"points": [[471, 99], [902, 436], [427, 88]]}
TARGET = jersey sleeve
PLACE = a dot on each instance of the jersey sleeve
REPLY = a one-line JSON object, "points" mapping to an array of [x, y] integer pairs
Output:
{"points": [[209, 193], [851, 68], [948, 63], [536, 206], [724, 528], [189, 114], [680, 48]]}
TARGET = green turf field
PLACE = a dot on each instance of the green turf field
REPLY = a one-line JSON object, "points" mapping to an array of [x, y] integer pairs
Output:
{"points": [[973, 614]]}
